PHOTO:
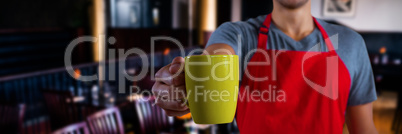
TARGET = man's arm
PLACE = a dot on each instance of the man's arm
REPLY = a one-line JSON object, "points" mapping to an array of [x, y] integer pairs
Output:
{"points": [[219, 49], [359, 119]]}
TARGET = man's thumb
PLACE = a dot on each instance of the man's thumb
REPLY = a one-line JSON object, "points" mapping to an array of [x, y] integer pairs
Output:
{"points": [[176, 65]]}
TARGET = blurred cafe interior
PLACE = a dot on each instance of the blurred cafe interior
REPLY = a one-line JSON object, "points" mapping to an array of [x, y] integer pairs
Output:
{"points": [[38, 95]]}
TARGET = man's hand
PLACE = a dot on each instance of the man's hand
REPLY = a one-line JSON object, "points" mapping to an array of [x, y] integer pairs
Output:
{"points": [[170, 91]]}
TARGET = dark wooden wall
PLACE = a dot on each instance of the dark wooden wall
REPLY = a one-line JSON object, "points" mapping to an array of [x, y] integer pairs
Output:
{"points": [[141, 38], [27, 50]]}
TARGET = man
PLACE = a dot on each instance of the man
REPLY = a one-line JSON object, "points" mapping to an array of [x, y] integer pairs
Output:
{"points": [[323, 70]]}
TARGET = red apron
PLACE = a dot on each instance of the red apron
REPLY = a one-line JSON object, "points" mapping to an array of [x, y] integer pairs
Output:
{"points": [[285, 91]]}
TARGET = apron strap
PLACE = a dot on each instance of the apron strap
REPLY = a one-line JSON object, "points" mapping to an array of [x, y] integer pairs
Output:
{"points": [[324, 35], [263, 34]]}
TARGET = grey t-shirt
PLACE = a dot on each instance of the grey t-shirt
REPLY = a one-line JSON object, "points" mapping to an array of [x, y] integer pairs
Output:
{"points": [[350, 46]]}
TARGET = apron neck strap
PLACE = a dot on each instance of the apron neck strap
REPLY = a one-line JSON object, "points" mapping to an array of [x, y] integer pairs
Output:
{"points": [[263, 34], [324, 35]]}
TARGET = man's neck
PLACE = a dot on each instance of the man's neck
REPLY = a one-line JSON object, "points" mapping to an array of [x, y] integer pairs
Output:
{"points": [[296, 23]]}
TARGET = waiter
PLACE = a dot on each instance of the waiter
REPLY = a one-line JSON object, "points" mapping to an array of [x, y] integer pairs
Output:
{"points": [[322, 71]]}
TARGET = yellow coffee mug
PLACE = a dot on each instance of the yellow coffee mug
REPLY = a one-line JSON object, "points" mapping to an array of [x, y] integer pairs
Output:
{"points": [[212, 83]]}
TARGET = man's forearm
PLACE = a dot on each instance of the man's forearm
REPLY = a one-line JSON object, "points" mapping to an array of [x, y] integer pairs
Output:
{"points": [[359, 119], [219, 49]]}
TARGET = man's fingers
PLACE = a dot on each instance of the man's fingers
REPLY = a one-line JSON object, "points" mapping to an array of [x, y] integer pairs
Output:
{"points": [[177, 65], [167, 73], [168, 92], [163, 73], [178, 59], [174, 105], [176, 113], [179, 80]]}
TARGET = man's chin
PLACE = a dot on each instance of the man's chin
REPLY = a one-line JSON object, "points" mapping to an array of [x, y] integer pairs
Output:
{"points": [[292, 4]]}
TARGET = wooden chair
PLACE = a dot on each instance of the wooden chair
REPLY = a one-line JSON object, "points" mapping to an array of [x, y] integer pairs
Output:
{"points": [[11, 118], [60, 107], [77, 128], [151, 117], [107, 121]]}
